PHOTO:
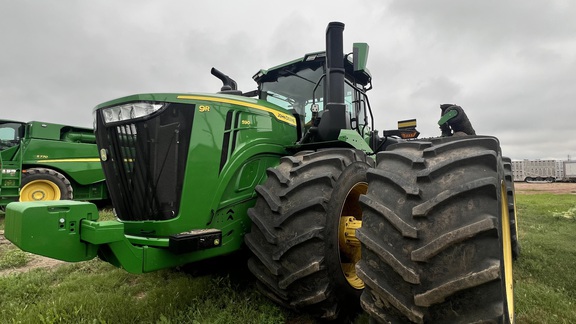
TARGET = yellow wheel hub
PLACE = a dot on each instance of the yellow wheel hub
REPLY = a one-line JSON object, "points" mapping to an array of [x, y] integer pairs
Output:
{"points": [[350, 221], [507, 246], [39, 190]]}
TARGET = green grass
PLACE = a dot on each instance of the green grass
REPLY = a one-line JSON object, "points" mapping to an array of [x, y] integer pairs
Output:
{"points": [[223, 292], [95, 292], [544, 275], [12, 258]]}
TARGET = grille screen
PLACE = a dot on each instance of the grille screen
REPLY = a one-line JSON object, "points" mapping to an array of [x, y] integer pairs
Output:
{"points": [[146, 162]]}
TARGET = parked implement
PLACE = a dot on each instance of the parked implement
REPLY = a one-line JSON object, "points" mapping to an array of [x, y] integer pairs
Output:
{"points": [[288, 170], [43, 161]]}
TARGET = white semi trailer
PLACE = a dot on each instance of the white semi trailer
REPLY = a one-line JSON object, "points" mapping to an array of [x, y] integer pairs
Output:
{"points": [[544, 170]]}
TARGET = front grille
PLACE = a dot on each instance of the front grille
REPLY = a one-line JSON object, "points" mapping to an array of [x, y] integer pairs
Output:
{"points": [[146, 162]]}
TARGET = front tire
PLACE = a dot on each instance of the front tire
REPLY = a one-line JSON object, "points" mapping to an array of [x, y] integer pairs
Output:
{"points": [[40, 184], [435, 236], [302, 237]]}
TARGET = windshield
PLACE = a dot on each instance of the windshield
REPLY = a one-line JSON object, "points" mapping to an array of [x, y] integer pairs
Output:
{"points": [[298, 91], [10, 134], [294, 90]]}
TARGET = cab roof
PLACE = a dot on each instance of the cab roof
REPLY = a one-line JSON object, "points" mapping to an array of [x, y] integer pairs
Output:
{"points": [[313, 61]]}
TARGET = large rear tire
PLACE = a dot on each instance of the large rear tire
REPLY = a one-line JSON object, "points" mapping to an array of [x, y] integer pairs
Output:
{"points": [[436, 236], [302, 237], [40, 184]]}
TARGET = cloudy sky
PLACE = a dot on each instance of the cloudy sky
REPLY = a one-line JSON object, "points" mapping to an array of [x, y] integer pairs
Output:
{"points": [[510, 64]]}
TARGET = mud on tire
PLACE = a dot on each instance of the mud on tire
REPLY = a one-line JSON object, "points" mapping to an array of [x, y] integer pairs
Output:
{"points": [[435, 234], [294, 237]]}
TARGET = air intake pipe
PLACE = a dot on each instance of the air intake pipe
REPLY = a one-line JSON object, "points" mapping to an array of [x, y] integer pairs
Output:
{"points": [[334, 117]]}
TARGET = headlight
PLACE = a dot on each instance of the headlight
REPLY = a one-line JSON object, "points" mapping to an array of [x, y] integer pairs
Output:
{"points": [[129, 111]]}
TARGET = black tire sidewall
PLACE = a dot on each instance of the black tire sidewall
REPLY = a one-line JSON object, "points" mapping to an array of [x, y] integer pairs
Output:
{"points": [[350, 177]]}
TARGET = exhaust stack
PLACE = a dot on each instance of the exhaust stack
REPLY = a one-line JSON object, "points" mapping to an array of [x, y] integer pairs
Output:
{"points": [[334, 117]]}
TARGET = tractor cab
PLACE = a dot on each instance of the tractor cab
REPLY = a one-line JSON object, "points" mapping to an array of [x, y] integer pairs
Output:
{"points": [[325, 112], [10, 133], [302, 86]]}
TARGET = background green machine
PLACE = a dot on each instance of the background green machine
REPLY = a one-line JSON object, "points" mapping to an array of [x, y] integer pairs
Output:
{"points": [[45, 161], [335, 215]]}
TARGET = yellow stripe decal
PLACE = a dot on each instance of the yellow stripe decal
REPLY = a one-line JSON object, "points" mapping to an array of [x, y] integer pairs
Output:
{"points": [[289, 119], [70, 160]]}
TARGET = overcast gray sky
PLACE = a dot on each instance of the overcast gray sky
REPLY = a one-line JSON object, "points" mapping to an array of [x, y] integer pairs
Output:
{"points": [[510, 64]]}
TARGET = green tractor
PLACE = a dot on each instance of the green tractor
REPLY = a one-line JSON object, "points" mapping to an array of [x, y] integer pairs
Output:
{"points": [[335, 216], [45, 161]]}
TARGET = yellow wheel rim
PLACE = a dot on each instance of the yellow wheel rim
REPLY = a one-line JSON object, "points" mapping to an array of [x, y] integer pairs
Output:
{"points": [[350, 221], [39, 190], [507, 246]]}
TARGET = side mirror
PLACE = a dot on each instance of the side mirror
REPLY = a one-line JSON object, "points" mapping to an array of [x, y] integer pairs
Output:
{"points": [[360, 54]]}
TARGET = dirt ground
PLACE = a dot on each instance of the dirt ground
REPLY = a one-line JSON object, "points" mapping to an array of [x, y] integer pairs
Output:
{"points": [[520, 188], [536, 188]]}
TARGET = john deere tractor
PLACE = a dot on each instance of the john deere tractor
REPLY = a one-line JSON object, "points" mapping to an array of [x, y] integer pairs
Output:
{"points": [[335, 214]]}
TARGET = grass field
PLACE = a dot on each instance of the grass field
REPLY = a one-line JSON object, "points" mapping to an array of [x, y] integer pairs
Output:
{"points": [[222, 291], [544, 275]]}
